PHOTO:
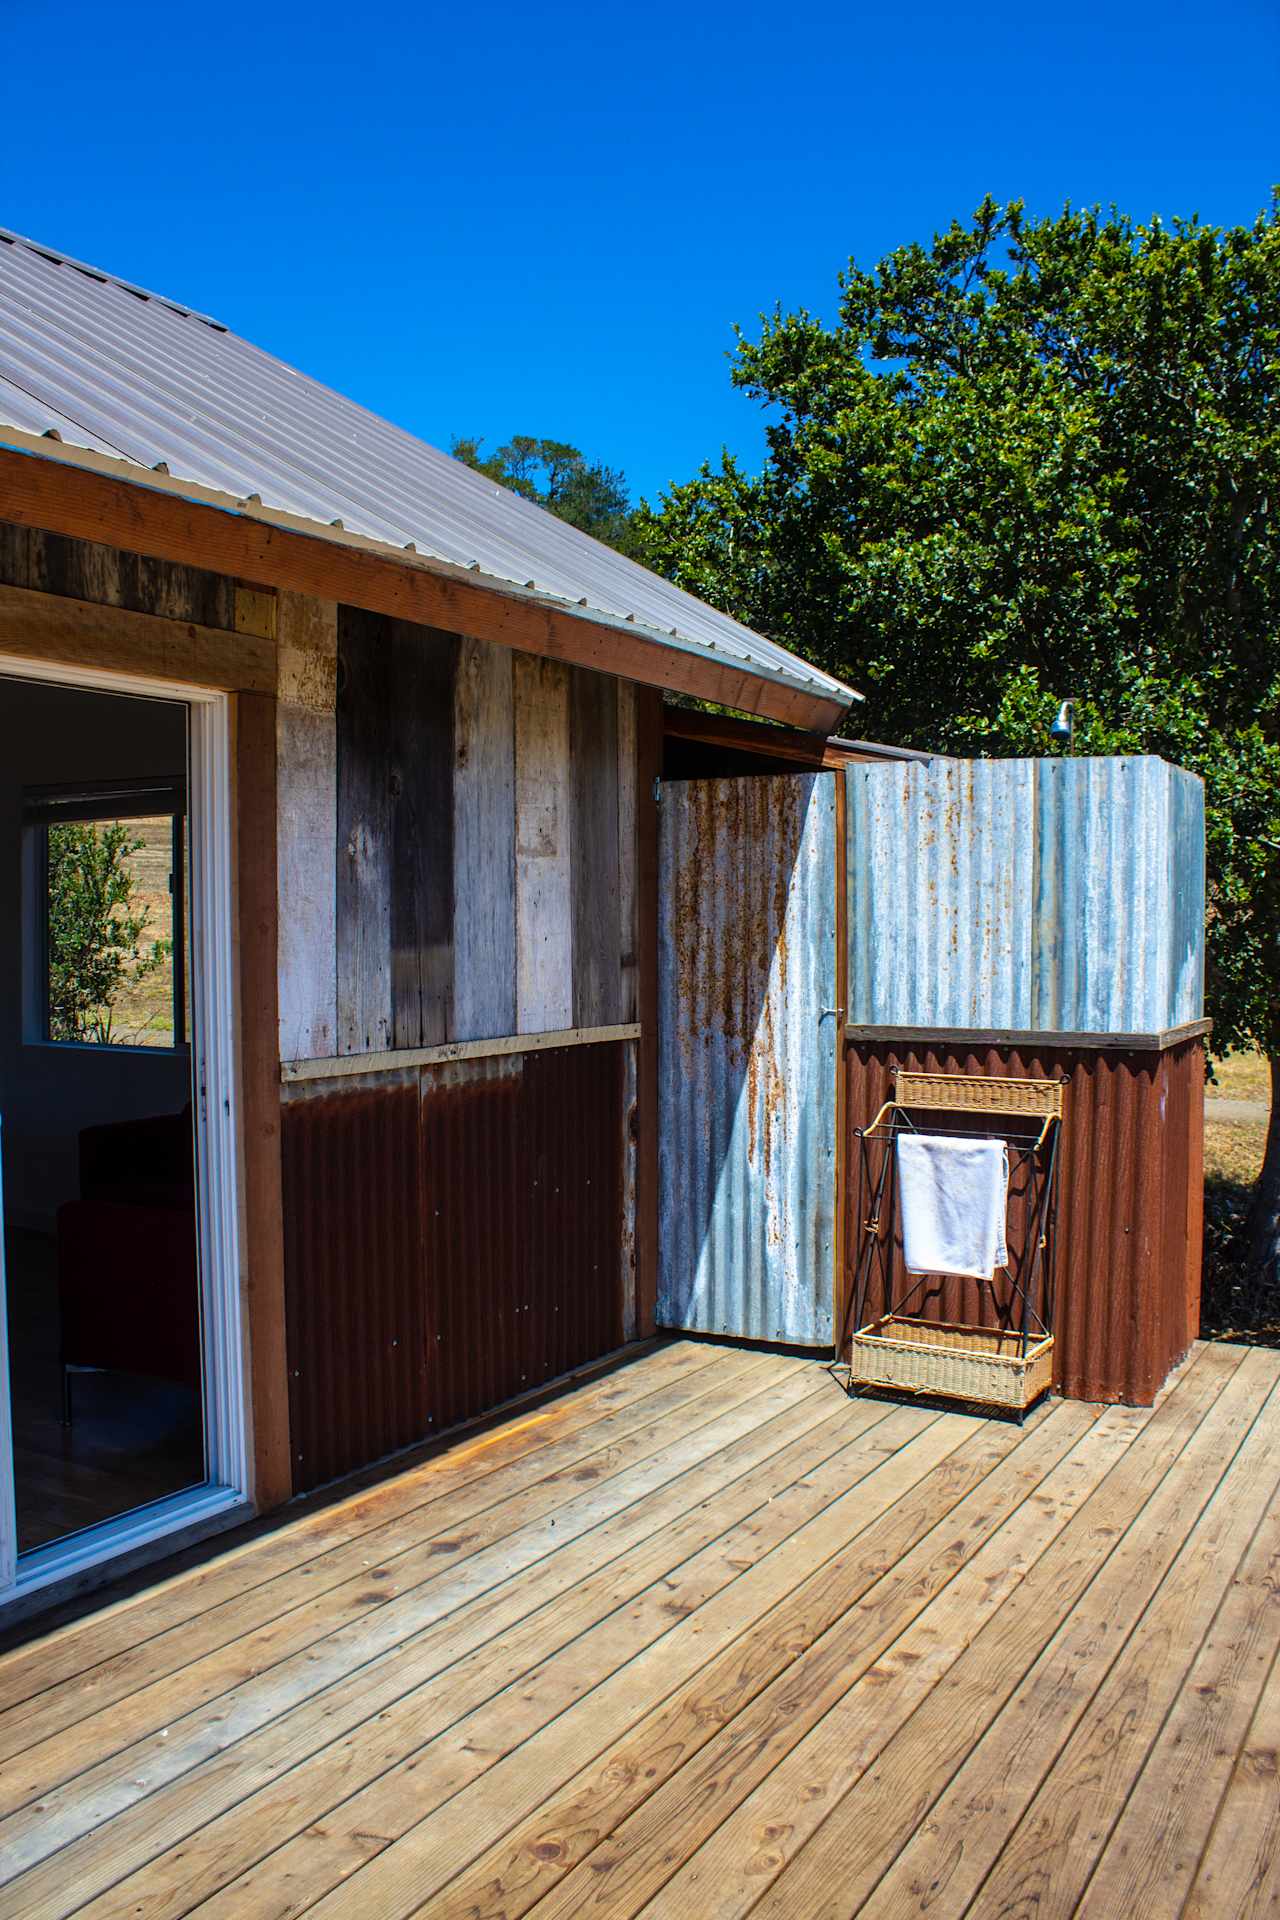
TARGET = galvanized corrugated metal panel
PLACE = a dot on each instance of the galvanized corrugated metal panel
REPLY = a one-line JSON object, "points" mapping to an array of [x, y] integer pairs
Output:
{"points": [[748, 1056], [1129, 1223], [131, 374], [454, 1236], [1118, 922], [940, 881], [1048, 896], [1186, 896]]}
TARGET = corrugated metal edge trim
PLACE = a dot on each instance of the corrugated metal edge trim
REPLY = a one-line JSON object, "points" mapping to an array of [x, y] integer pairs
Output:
{"points": [[815, 685], [339, 1066], [990, 1037]]}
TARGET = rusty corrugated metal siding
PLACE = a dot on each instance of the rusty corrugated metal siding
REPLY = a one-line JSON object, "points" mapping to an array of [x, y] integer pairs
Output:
{"points": [[1128, 1267], [748, 1056], [523, 1220], [453, 1236], [1046, 896], [356, 1312]]}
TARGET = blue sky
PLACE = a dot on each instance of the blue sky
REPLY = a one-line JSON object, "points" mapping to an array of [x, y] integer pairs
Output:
{"points": [[547, 218]]}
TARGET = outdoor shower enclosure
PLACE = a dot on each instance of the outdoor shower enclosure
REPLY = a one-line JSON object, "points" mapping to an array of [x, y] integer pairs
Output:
{"points": [[1035, 919]]}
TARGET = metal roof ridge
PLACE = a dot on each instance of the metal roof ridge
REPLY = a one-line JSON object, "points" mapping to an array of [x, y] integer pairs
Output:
{"points": [[57, 258]]}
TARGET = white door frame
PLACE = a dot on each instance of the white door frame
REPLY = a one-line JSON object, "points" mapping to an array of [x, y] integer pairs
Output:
{"points": [[218, 1211]]}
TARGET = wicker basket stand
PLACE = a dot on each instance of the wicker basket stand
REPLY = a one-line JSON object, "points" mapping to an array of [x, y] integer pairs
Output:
{"points": [[1008, 1367]]}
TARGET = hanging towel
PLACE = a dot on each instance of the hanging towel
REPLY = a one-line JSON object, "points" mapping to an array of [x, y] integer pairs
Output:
{"points": [[954, 1198]]}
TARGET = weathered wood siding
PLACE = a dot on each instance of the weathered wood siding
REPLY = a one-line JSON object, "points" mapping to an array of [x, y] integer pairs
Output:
{"points": [[484, 843], [307, 825], [464, 852], [87, 570], [456, 823]]}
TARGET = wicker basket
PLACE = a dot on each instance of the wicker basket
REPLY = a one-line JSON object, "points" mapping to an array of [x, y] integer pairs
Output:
{"points": [[976, 1093], [981, 1364]]}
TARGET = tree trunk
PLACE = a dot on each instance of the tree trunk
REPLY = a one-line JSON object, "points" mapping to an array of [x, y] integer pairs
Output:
{"points": [[1262, 1228]]}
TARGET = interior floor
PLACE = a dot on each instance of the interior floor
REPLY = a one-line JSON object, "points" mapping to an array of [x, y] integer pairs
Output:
{"points": [[131, 1440]]}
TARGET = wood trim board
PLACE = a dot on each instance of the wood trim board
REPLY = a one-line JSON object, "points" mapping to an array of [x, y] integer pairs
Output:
{"points": [[984, 1037], [81, 495], [257, 924], [339, 1066], [85, 633]]}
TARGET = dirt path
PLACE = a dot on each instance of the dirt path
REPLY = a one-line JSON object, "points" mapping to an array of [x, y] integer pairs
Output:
{"points": [[1216, 1107]]}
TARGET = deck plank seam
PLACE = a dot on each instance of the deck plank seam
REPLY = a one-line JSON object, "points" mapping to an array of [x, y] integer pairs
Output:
{"points": [[416, 1544], [1035, 1651], [350, 1673], [110, 1614]]}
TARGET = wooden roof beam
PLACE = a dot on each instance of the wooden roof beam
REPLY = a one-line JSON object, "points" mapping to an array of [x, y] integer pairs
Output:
{"points": [[87, 497]]}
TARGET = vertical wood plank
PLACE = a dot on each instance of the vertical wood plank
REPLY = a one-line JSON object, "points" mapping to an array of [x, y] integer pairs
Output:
{"points": [[108, 576], [15, 554], [307, 825], [423, 664], [629, 1164], [255, 802], [82, 570], [364, 875], [628, 991], [597, 942], [484, 815], [544, 894], [648, 771]]}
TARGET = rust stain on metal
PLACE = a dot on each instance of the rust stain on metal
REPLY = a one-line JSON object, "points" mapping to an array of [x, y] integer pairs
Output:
{"points": [[746, 969], [1129, 1223], [452, 1238]]}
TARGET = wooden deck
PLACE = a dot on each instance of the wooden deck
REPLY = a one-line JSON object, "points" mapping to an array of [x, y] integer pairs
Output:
{"points": [[702, 1638]]}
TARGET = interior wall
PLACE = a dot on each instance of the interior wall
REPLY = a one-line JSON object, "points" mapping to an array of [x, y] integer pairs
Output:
{"points": [[50, 735]]}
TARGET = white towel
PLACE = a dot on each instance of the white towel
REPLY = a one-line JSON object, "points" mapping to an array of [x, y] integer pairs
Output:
{"points": [[954, 1198]]}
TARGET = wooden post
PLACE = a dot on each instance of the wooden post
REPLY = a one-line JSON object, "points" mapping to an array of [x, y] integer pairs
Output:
{"points": [[842, 1277], [257, 926], [648, 771]]}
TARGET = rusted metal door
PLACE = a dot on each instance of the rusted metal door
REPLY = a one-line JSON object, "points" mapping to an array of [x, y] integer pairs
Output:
{"points": [[749, 1032]]}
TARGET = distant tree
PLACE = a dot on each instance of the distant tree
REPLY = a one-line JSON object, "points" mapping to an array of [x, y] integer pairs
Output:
{"points": [[1039, 459], [559, 477], [95, 938]]}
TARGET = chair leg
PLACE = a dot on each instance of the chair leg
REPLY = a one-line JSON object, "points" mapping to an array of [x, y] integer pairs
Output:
{"points": [[66, 1396]]}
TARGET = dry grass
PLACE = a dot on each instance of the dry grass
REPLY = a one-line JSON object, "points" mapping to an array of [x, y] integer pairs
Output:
{"points": [[1241, 1076], [1233, 1307], [1233, 1150]]}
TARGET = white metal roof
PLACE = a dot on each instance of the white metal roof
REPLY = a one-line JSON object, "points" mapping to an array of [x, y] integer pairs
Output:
{"points": [[106, 366]]}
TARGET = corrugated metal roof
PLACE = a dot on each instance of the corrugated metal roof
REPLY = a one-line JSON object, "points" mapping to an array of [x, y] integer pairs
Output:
{"points": [[107, 366]]}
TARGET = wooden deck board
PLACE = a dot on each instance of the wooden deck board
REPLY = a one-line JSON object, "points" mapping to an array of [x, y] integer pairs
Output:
{"points": [[702, 1637]]}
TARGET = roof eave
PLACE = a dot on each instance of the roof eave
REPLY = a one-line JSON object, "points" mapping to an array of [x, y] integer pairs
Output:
{"points": [[83, 494]]}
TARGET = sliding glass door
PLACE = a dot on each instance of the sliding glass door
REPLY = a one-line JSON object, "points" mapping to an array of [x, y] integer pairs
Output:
{"points": [[120, 1382]]}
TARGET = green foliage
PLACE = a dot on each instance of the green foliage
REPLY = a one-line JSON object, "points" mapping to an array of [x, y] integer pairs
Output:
{"points": [[557, 476], [1039, 458], [95, 931]]}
